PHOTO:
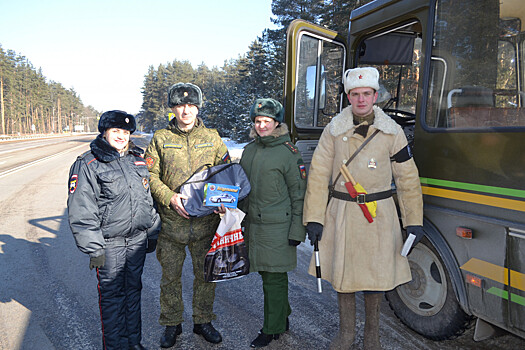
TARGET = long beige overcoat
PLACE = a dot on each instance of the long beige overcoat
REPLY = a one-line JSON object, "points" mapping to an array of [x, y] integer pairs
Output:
{"points": [[357, 255]]}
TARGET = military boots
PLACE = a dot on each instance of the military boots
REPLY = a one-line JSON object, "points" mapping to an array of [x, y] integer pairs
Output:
{"points": [[170, 336], [346, 335], [372, 311]]}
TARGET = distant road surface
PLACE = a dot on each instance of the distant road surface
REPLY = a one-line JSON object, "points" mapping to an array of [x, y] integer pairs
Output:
{"points": [[48, 295]]}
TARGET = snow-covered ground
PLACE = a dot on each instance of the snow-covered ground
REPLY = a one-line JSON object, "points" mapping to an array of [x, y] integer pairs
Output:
{"points": [[234, 148]]}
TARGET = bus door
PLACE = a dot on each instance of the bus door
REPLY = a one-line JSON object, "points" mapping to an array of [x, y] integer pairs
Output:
{"points": [[315, 62]]}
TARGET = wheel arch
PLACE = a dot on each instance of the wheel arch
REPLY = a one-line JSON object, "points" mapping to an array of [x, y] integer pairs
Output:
{"points": [[445, 253]]}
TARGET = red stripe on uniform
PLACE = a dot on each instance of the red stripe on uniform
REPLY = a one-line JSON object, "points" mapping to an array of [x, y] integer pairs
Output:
{"points": [[100, 308]]}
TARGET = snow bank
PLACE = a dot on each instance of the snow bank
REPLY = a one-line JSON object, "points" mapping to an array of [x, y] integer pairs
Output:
{"points": [[234, 148]]}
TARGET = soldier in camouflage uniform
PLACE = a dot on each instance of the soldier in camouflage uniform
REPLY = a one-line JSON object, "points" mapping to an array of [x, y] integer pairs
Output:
{"points": [[173, 155]]}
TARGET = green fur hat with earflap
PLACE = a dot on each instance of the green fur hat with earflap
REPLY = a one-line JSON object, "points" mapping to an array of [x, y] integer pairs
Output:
{"points": [[267, 107]]}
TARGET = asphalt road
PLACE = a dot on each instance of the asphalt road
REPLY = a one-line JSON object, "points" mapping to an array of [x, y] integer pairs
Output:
{"points": [[48, 295]]}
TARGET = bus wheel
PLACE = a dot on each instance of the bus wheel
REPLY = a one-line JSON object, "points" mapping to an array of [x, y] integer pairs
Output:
{"points": [[428, 304]]}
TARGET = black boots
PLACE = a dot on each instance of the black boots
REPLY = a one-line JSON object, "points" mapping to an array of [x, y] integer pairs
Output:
{"points": [[170, 336], [263, 339], [205, 329], [208, 332]]}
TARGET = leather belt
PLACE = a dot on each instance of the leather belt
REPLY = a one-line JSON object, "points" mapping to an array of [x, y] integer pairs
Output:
{"points": [[362, 198]]}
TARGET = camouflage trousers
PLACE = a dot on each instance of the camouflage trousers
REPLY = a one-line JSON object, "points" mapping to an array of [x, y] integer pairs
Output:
{"points": [[171, 256]]}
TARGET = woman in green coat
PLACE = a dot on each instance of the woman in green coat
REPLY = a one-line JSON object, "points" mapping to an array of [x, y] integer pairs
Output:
{"points": [[274, 208]]}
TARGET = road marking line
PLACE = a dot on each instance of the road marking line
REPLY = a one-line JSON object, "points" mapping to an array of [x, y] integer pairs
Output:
{"points": [[21, 167]]}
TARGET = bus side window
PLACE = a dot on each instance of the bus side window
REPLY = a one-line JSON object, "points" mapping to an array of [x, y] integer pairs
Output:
{"points": [[476, 81]]}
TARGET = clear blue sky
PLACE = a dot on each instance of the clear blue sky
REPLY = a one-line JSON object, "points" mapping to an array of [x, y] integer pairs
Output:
{"points": [[103, 49]]}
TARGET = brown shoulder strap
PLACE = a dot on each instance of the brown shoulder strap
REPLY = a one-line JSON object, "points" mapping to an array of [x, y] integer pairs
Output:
{"points": [[354, 155]]}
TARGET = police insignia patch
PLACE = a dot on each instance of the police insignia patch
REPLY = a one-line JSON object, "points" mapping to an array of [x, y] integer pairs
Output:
{"points": [[150, 162], [145, 182], [73, 183]]}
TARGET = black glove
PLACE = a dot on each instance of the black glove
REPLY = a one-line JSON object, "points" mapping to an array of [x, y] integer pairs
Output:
{"points": [[97, 261], [416, 231], [314, 231], [293, 242], [152, 244]]}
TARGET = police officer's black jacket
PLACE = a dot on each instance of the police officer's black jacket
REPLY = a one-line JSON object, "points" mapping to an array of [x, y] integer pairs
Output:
{"points": [[109, 200]]}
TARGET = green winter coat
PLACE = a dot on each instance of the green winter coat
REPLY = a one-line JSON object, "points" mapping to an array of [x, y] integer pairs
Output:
{"points": [[274, 207], [172, 157]]}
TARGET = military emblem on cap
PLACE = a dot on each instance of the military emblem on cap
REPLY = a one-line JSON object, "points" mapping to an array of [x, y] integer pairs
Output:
{"points": [[184, 93], [267, 107], [116, 119], [361, 77]]}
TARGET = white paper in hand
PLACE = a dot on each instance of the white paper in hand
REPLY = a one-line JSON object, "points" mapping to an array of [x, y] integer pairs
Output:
{"points": [[230, 218], [408, 244]]}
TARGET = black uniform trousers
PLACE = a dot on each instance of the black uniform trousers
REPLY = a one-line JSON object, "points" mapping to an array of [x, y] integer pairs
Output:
{"points": [[119, 289]]}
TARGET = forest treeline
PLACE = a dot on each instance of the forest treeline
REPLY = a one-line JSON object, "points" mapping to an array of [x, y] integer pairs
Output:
{"points": [[31, 104]]}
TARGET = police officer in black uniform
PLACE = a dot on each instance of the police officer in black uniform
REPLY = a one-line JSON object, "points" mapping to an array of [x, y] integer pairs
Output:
{"points": [[113, 220]]}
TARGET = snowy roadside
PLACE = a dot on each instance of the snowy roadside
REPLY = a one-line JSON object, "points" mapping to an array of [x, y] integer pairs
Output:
{"points": [[234, 148]]}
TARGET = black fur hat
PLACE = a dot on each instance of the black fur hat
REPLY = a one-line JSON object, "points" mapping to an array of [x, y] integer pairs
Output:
{"points": [[184, 93], [116, 119], [267, 107]]}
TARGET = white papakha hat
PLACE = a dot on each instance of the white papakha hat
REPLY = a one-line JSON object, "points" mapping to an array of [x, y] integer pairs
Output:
{"points": [[361, 77]]}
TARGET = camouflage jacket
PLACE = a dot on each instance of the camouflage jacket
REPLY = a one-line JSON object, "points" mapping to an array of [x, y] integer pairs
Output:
{"points": [[173, 156]]}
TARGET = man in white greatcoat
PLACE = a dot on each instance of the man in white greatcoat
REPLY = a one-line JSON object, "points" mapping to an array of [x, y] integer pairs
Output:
{"points": [[358, 255]]}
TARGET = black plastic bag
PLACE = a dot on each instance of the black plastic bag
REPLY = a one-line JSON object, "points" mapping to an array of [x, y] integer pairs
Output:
{"points": [[227, 257]]}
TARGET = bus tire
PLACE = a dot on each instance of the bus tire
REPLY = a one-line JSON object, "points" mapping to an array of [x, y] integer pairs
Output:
{"points": [[428, 304]]}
